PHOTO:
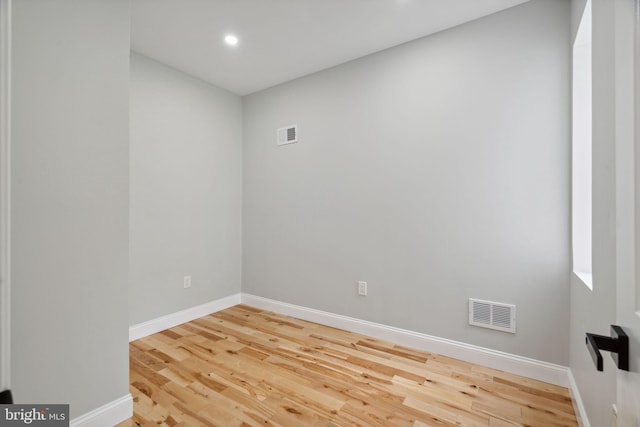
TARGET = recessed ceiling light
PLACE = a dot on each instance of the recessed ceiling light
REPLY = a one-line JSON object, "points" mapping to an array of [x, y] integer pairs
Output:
{"points": [[231, 40]]}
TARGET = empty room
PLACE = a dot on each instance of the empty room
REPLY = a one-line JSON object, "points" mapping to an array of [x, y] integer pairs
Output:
{"points": [[306, 212]]}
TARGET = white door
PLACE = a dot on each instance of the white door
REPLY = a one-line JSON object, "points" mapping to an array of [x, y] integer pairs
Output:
{"points": [[627, 27]]}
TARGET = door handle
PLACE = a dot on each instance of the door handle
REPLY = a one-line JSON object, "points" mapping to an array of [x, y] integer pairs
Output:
{"points": [[5, 397], [617, 344]]}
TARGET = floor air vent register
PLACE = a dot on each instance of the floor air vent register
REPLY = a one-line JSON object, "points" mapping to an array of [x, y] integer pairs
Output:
{"points": [[492, 315]]}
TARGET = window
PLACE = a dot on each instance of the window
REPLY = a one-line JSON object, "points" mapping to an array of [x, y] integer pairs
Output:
{"points": [[581, 151]]}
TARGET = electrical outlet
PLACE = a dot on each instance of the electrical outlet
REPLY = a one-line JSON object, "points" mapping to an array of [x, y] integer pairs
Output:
{"points": [[362, 288], [186, 282]]}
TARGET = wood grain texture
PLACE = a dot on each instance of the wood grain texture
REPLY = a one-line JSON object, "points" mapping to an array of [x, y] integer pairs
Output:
{"points": [[247, 367]]}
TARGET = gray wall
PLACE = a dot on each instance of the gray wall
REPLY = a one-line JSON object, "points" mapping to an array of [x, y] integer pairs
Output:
{"points": [[186, 184], [594, 311], [436, 171], [70, 202]]}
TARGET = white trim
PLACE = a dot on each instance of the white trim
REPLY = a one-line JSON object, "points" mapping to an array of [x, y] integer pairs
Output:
{"points": [[107, 415], [5, 194], [519, 365], [153, 326], [578, 405], [636, 143]]}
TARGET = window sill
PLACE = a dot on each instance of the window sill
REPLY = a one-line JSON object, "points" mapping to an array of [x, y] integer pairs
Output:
{"points": [[585, 278]]}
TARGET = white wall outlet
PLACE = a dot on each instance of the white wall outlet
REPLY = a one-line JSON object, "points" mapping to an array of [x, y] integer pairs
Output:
{"points": [[362, 288], [186, 282]]}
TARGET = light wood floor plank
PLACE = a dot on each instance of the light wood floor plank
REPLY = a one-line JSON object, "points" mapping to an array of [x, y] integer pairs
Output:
{"points": [[247, 367]]}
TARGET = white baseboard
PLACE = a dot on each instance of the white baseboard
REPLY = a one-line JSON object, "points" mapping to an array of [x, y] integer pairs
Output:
{"points": [[107, 415], [150, 327], [578, 405], [518, 365]]}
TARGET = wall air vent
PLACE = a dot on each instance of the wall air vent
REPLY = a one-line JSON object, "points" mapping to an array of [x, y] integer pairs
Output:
{"points": [[492, 315], [287, 135]]}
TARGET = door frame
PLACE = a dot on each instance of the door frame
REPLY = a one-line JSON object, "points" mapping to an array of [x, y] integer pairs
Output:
{"points": [[636, 142], [627, 125], [5, 194]]}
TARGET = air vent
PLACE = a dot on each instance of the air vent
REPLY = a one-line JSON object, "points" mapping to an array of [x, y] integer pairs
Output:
{"points": [[492, 315], [287, 135]]}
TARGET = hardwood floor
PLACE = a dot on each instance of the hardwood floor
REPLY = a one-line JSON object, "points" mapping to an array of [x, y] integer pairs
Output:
{"points": [[247, 367]]}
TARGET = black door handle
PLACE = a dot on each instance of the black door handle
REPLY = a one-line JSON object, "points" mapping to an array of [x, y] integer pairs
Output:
{"points": [[617, 344], [5, 397]]}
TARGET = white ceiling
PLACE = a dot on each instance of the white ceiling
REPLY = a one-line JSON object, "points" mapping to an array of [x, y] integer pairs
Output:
{"points": [[281, 40]]}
